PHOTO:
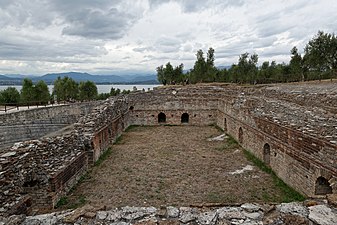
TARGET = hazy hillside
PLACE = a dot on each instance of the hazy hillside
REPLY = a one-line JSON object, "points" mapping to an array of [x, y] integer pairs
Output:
{"points": [[98, 79]]}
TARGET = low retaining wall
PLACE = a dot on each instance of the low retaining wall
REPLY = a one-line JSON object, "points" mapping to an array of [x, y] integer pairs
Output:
{"points": [[35, 123]]}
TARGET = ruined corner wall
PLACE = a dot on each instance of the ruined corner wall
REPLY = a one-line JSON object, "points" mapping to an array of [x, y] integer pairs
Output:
{"points": [[36, 174], [298, 159], [35, 123], [103, 126]]}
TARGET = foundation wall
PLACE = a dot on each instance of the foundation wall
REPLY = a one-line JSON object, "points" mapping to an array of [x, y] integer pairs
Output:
{"points": [[299, 160]]}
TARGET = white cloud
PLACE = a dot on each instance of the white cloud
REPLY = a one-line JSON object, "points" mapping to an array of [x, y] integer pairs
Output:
{"points": [[41, 36]]}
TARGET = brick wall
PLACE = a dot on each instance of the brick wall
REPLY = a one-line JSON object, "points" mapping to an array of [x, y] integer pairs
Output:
{"points": [[298, 159]]}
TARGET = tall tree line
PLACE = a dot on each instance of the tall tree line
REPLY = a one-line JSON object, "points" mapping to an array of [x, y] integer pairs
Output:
{"points": [[319, 61]]}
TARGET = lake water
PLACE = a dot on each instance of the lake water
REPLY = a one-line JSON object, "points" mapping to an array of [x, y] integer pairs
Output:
{"points": [[101, 88]]}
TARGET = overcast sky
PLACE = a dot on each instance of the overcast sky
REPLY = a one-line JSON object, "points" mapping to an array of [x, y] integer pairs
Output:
{"points": [[109, 36]]}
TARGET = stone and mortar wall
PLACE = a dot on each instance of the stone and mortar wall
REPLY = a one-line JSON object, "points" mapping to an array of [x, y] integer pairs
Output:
{"points": [[146, 107], [50, 166], [34, 175], [298, 159], [37, 122]]}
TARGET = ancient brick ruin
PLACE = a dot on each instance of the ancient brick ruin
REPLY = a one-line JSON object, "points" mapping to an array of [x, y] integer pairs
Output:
{"points": [[292, 128]]}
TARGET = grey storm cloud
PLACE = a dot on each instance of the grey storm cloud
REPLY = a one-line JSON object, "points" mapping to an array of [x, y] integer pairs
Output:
{"points": [[96, 24], [35, 47], [95, 19], [127, 33]]}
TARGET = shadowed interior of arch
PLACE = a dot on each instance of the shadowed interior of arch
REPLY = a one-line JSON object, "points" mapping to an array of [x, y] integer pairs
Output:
{"points": [[161, 118], [322, 186], [184, 118]]}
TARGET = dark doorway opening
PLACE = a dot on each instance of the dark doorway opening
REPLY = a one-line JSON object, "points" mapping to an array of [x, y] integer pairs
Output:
{"points": [[240, 135], [322, 186], [225, 124], [266, 154], [185, 118], [161, 118]]}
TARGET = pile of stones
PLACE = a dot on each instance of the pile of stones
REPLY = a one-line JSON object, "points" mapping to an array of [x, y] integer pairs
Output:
{"points": [[310, 213]]}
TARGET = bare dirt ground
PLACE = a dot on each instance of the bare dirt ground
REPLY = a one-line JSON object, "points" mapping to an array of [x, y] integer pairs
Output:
{"points": [[174, 165]]}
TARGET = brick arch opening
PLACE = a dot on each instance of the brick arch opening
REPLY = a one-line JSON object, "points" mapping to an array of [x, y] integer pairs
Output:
{"points": [[240, 135], [266, 154], [185, 118], [322, 186], [161, 118]]}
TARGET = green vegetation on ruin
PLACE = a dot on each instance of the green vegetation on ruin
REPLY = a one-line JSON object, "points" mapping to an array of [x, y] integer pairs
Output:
{"points": [[289, 194]]}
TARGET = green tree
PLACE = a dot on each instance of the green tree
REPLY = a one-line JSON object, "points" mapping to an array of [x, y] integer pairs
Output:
{"points": [[160, 75], [321, 54], [125, 92], [178, 77], [246, 70], [114, 92], [41, 92], [10, 95], [27, 91], [295, 65], [170, 75], [87, 90], [65, 89], [211, 70], [103, 96], [199, 69]]}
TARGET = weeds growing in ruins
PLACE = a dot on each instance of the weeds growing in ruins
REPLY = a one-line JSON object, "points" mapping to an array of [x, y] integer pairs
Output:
{"points": [[289, 194], [131, 127], [63, 201], [230, 143], [216, 126], [103, 157]]}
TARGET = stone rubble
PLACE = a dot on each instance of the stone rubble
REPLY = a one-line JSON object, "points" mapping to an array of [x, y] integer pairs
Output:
{"points": [[36, 162], [295, 213]]}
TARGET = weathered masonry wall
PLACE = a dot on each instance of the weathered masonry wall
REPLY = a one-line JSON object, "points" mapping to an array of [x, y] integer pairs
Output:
{"points": [[36, 174], [197, 112], [304, 162], [298, 159], [35, 123]]}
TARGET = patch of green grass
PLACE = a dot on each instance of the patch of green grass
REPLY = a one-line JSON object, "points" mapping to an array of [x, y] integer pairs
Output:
{"points": [[288, 193], [63, 201], [131, 127], [230, 143], [84, 177], [216, 126], [103, 157], [119, 140]]}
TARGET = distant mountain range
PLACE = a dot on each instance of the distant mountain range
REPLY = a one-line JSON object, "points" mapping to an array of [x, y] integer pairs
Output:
{"points": [[16, 79]]}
